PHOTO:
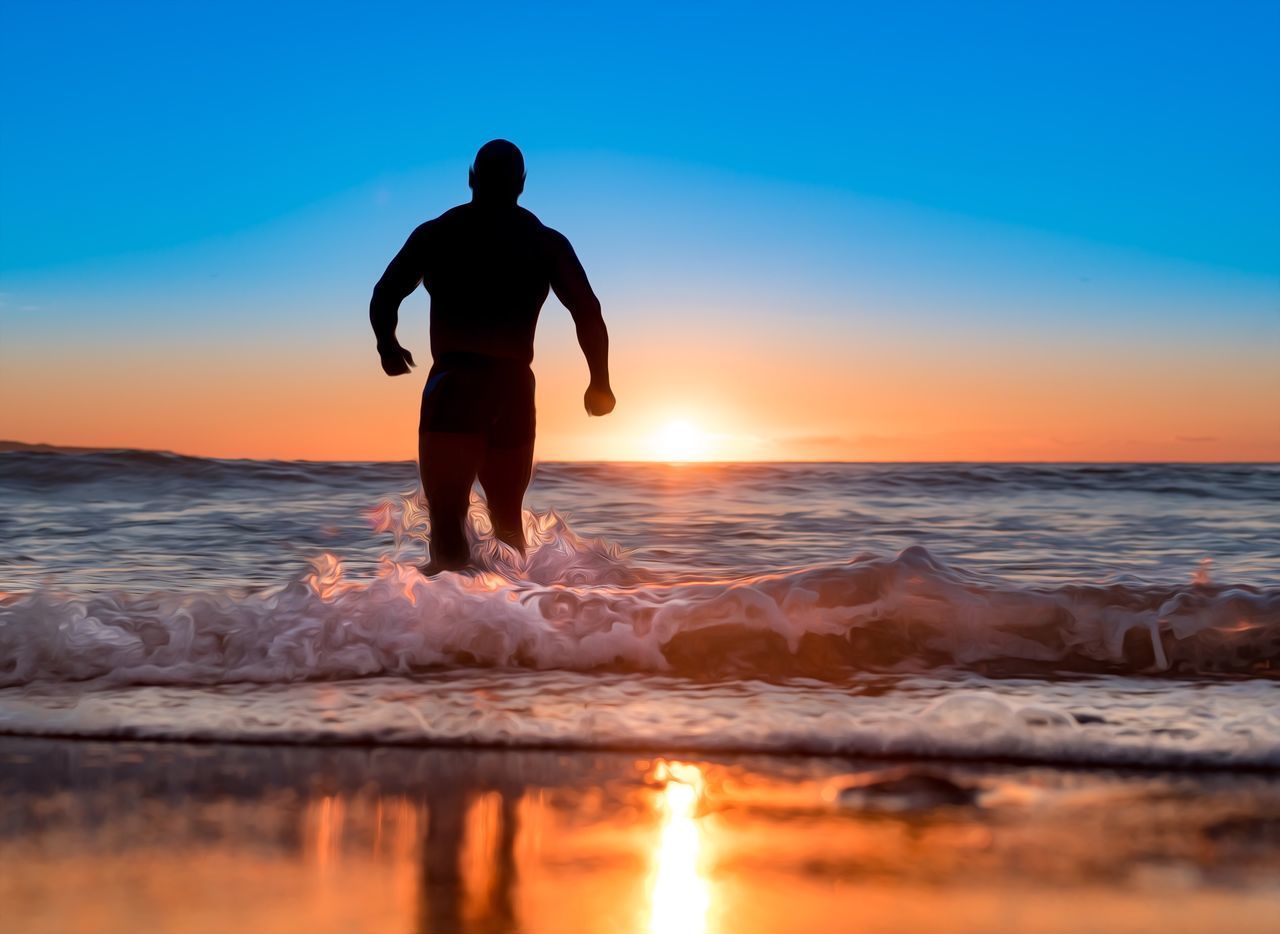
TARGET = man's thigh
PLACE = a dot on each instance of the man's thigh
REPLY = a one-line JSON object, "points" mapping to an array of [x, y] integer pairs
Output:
{"points": [[505, 475], [449, 461]]}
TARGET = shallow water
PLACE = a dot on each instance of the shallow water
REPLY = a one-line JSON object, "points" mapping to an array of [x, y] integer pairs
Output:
{"points": [[1044, 613]]}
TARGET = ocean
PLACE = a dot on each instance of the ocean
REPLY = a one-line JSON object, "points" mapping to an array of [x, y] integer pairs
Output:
{"points": [[1122, 615], [716, 699]]}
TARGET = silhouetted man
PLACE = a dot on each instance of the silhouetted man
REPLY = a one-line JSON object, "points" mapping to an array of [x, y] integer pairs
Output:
{"points": [[488, 266]]}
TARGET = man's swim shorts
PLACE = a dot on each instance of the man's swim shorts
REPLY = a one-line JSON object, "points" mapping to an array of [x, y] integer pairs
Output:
{"points": [[481, 395]]}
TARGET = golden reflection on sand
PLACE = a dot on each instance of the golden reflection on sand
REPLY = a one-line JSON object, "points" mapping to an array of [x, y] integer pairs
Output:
{"points": [[323, 822], [573, 844], [681, 893], [485, 884]]}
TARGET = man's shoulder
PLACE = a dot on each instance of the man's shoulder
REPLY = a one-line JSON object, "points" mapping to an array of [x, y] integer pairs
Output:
{"points": [[424, 232], [451, 216], [552, 236], [532, 222]]}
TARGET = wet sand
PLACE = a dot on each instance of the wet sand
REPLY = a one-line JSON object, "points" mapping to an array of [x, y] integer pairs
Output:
{"points": [[130, 836]]}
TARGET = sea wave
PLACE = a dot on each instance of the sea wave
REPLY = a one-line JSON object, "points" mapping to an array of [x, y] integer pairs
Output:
{"points": [[577, 604], [38, 469], [43, 471]]}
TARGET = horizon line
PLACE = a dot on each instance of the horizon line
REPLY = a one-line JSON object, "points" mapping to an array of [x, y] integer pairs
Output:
{"points": [[21, 447]]}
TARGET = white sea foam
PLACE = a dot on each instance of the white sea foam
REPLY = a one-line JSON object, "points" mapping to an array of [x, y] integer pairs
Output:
{"points": [[1112, 720], [577, 604]]}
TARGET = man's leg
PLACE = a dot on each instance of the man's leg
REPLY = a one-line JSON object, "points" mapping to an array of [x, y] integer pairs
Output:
{"points": [[448, 462], [505, 476]]}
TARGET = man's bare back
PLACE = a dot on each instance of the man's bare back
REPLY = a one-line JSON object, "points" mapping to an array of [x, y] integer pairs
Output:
{"points": [[488, 266]]}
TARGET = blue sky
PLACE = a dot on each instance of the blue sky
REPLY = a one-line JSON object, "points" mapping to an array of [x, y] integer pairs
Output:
{"points": [[136, 126], [993, 171]]}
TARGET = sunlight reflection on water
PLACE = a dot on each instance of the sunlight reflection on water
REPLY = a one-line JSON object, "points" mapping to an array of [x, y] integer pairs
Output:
{"points": [[425, 840], [681, 892]]}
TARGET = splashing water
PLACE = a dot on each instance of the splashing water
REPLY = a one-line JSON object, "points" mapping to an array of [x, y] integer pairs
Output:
{"points": [[576, 604]]}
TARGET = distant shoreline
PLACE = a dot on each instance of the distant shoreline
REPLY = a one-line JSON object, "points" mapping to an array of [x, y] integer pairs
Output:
{"points": [[9, 447], [23, 447]]}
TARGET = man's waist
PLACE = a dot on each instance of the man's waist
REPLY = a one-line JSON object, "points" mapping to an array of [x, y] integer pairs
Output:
{"points": [[465, 360]]}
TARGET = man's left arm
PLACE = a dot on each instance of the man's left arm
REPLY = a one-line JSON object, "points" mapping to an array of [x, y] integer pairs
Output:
{"points": [[403, 275], [569, 282]]}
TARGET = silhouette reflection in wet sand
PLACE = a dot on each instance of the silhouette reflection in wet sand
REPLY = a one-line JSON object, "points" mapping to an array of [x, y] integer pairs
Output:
{"points": [[488, 265], [469, 862], [123, 836]]}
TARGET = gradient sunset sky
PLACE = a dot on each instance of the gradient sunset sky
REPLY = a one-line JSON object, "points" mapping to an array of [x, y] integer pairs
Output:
{"points": [[979, 231]]}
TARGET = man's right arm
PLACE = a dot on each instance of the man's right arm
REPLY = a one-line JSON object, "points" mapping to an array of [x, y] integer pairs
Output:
{"points": [[569, 281], [403, 275]]}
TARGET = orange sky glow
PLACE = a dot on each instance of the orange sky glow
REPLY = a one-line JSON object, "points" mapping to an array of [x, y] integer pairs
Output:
{"points": [[701, 398]]}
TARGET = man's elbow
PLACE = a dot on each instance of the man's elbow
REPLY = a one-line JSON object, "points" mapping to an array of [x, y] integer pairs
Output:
{"points": [[383, 304], [589, 311]]}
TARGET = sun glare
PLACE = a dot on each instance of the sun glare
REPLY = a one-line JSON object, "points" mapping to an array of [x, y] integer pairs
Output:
{"points": [[681, 440]]}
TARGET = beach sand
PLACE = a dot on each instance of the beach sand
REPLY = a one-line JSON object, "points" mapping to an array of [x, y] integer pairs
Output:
{"points": [[130, 836]]}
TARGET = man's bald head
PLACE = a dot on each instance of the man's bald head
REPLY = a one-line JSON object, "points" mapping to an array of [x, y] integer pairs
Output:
{"points": [[498, 171]]}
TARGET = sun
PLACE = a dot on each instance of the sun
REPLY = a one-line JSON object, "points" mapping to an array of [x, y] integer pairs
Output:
{"points": [[681, 440]]}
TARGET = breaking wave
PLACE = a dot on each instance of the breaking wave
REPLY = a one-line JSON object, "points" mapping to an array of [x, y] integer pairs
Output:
{"points": [[577, 604]]}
